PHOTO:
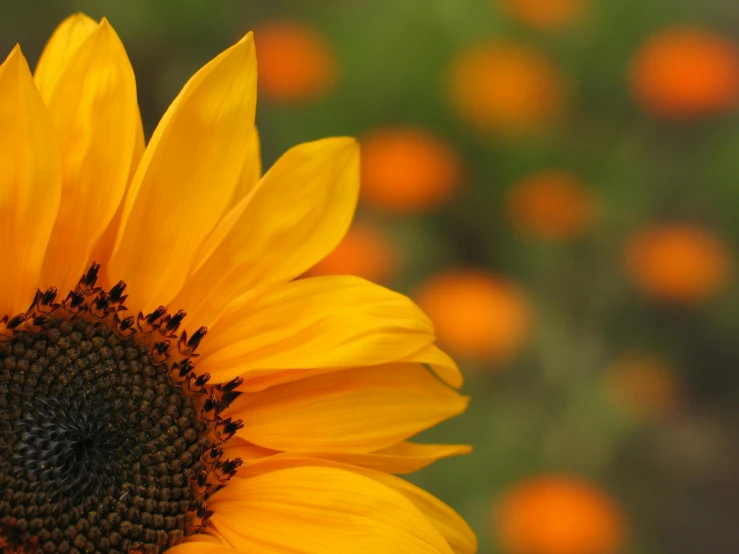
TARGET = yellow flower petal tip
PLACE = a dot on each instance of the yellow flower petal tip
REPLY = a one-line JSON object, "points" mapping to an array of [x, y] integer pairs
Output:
{"points": [[340, 150], [79, 18], [14, 53], [93, 105], [245, 45], [65, 40], [348, 144], [282, 401], [105, 27], [248, 38]]}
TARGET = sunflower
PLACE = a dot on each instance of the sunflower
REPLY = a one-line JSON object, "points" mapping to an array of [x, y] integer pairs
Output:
{"points": [[168, 382]]}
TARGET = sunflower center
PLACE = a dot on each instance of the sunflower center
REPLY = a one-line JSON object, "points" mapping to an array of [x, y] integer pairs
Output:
{"points": [[101, 448]]}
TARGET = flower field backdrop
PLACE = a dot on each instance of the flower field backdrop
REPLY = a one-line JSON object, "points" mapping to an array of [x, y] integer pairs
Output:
{"points": [[556, 182]]}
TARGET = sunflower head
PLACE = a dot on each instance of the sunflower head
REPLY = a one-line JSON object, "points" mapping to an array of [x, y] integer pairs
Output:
{"points": [[168, 379]]}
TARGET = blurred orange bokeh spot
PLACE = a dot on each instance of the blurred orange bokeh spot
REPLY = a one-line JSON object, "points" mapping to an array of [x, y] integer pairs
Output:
{"points": [[408, 170], [365, 252], [295, 61], [545, 14], [506, 88], [677, 262], [559, 514], [553, 205], [476, 315], [642, 385], [686, 72]]}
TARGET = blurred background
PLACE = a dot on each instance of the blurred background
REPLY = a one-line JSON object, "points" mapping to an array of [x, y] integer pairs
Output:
{"points": [[556, 182]]}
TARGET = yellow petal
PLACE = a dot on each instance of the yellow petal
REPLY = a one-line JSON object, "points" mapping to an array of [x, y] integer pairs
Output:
{"points": [[320, 510], [405, 457], [103, 247], [449, 524], [202, 546], [139, 146], [402, 458], [30, 184], [258, 380], [329, 321], [440, 363], [296, 215], [237, 447], [201, 539], [251, 170], [94, 109], [362, 410], [429, 356], [186, 178], [68, 36]]}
